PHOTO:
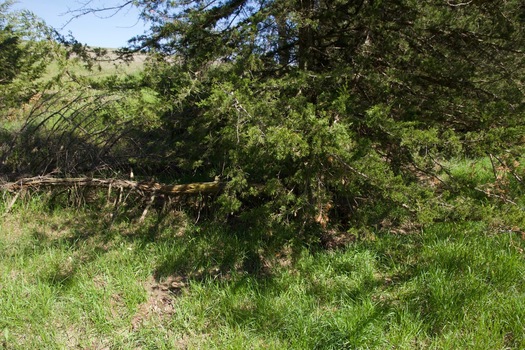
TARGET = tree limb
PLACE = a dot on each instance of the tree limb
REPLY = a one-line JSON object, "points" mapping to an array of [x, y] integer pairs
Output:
{"points": [[142, 187]]}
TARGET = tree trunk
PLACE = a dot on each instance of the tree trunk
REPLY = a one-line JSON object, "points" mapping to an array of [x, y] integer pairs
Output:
{"points": [[282, 41], [306, 9]]}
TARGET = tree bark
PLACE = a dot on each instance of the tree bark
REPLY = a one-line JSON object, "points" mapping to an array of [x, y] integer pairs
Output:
{"points": [[306, 8], [282, 41]]}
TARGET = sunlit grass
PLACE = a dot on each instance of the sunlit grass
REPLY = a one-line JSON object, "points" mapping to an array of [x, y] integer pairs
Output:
{"points": [[471, 171], [106, 66], [69, 279]]}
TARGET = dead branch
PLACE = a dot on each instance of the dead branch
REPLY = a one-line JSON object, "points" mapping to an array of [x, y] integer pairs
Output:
{"points": [[493, 195], [140, 187], [503, 164], [12, 203], [148, 206]]}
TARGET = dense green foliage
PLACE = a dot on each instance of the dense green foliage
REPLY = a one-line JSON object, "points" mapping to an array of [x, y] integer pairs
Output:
{"points": [[10, 59], [335, 104], [25, 51], [317, 113]]}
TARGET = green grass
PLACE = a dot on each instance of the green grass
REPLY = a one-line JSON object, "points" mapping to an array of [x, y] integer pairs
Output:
{"points": [[477, 171], [107, 67], [70, 280]]}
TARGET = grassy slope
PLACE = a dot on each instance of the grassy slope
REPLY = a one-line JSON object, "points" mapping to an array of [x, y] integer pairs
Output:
{"points": [[109, 66], [69, 280]]}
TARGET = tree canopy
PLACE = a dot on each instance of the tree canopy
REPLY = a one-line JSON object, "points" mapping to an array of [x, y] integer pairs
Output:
{"points": [[333, 101]]}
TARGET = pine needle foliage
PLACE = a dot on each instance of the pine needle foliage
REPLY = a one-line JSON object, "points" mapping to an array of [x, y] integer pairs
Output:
{"points": [[338, 108]]}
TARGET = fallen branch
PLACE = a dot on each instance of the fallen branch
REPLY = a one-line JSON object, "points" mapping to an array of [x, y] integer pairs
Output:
{"points": [[141, 187]]}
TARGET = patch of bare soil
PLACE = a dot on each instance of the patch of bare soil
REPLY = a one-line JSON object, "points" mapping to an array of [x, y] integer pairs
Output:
{"points": [[161, 299], [333, 239]]}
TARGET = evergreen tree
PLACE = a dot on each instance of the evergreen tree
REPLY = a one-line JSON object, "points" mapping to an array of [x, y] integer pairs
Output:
{"points": [[25, 52], [333, 105], [10, 54]]}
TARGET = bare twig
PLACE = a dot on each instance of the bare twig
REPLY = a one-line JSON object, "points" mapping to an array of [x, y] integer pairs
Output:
{"points": [[12, 203], [85, 10], [351, 168], [516, 176], [493, 195], [494, 171], [148, 206], [459, 4]]}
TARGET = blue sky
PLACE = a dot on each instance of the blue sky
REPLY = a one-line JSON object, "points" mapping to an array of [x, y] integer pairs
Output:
{"points": [[110, 32]]}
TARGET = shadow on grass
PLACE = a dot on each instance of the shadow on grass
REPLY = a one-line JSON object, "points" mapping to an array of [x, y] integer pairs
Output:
{"points": [[443, 277], [209, 250]]}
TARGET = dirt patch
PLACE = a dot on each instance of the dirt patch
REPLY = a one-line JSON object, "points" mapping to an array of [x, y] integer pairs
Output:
{"points": [[161, 299], [333, 239]]}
